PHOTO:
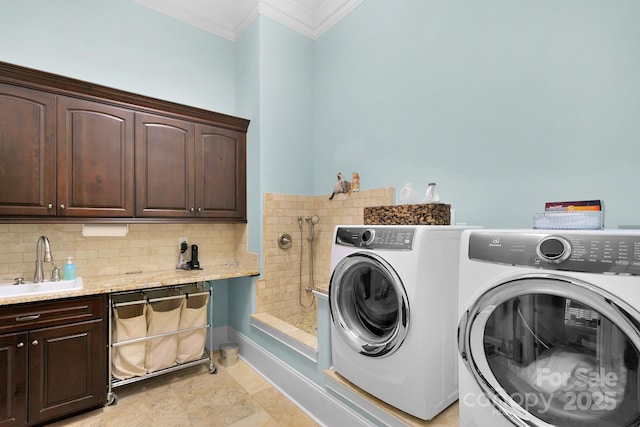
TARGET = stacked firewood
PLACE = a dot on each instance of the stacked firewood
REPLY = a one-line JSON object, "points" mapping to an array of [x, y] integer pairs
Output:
{"points": [[417, 214]]}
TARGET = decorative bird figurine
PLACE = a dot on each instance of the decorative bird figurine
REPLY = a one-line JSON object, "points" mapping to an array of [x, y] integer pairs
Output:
{"points": [[341, 186]]}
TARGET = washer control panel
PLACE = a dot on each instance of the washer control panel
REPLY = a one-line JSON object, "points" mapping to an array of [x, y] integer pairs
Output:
{"points": [[589, 252], [553, 249], [394, 238]]}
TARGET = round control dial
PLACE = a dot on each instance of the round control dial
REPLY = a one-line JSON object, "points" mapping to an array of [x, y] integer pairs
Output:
{"points": [[368, 236], [553, 249]]}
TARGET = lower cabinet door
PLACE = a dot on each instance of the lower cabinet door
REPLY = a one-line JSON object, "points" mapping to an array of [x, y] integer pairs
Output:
{"points": [[68, 369], [13, 379]]}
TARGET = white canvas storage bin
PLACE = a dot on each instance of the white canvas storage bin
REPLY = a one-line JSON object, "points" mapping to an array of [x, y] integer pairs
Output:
{"points": [[156, 331], [162, 317], [129, 323], [193, 314]]}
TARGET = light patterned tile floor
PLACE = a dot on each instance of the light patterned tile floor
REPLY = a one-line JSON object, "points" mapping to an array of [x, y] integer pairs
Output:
{"points": [[236, 396]]}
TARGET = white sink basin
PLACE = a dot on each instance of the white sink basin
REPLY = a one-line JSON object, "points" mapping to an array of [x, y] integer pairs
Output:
{"points": [[10, 290]]}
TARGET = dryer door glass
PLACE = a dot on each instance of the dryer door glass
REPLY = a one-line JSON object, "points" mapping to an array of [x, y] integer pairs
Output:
{"points": [[369, 305], [557, 353]]}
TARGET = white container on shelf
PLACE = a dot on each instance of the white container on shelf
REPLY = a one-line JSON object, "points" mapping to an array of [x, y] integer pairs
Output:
{"points": [[578, 220], [431, 195], [408, 195]]}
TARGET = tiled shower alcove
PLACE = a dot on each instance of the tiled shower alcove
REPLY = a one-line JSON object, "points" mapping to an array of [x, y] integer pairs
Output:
{"points": [[278, 290]]}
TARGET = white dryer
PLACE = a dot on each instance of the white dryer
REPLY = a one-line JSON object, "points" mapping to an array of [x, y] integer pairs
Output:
{"points": [[393, 298], [549, 331]]}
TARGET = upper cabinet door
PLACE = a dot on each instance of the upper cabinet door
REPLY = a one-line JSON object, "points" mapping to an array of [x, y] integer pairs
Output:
{"points": [[27, 152], [164, 167], [95, 159], [220, 175]]}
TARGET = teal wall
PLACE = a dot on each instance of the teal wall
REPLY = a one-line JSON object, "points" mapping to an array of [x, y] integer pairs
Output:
{"points": [[248, 92], [286, 97], [275, 88], [220, 301], [275, 91], [120, 44], [506, 104]]}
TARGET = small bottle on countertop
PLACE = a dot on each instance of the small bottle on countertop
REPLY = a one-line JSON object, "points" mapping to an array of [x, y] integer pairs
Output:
{"points": [[432, 195], [69, 271]]}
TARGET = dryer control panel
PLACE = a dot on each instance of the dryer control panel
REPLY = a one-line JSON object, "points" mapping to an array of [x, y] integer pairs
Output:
{"points": [[394, 238], [589, 252]]}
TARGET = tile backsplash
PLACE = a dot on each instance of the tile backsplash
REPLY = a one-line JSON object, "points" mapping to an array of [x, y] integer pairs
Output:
{"points": [[146, 247], [278, 289]]}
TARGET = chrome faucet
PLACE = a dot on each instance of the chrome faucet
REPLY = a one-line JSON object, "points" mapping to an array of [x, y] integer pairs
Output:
{"points": [[38, 276]]}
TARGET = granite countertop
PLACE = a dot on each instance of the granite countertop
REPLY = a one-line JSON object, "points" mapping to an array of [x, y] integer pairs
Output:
{"points": [[96, 285]]}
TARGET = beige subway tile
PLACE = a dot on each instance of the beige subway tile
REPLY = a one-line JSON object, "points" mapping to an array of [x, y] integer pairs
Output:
{"points": [[108, 270]]}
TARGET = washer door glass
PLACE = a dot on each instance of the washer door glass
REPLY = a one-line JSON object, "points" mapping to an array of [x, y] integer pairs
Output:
{"points": [[369, 305], [555, 352]]}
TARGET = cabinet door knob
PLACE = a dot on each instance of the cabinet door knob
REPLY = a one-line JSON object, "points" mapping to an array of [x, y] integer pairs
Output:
{"points": [[191, 210], [199, 209], [20, 345], [34, 342], [62, 206], [50, 205]]}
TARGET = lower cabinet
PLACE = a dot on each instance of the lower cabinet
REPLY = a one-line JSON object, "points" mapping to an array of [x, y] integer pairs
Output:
{"points": [[14, 378], [53, 360]]}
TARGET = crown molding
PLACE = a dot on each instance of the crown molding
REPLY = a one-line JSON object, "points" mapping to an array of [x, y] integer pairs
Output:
{"points": [[230, 18], [330, 12]]}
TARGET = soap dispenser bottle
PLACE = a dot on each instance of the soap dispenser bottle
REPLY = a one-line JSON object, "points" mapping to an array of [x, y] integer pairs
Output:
{"points": [[69, 271]]}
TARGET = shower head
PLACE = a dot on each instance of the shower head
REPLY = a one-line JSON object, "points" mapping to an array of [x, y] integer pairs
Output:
{"points": [[313, 219]]}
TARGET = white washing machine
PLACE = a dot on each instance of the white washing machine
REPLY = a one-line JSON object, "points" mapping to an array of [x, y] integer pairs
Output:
{"points": [[549, 331], [393, 298]]}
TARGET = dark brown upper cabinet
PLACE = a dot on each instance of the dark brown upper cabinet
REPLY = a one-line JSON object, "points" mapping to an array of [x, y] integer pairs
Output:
{"points": [[79, 152], [27, 152], [95, 159], [189, 170], [220, 173], [81, 165], [164, 167]]}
